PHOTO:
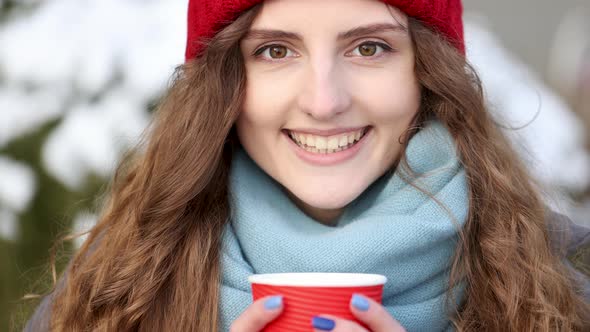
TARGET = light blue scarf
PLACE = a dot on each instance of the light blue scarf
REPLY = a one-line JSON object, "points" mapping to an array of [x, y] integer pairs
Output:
{"points": [[391, 229]]}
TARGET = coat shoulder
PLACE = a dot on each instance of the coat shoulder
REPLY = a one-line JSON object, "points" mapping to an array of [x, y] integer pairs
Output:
{"points": [[566, 237], [571, 241]]}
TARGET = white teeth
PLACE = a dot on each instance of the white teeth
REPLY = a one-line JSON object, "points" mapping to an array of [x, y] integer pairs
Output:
{"points": [[322, 144], [343, 141], [301, 138], [333, 142]]}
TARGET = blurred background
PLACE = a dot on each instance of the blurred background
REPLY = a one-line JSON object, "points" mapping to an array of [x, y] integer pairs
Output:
{"points": [[80, 78]]}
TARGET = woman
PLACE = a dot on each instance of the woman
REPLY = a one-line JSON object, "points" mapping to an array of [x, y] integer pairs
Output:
{"points": [[333, 136]]}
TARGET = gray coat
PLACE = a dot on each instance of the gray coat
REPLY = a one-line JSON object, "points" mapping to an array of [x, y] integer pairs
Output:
{"points": [[567, 238]]}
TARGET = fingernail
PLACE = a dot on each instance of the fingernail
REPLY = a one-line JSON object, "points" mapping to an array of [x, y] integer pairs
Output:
{"points": [[323, 324], [360, 302], [273, 302]]}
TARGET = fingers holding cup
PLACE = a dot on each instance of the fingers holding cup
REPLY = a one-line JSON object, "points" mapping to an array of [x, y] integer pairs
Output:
{"points": [[373, 314], [366, 310], [336, 324], [258, 314]]}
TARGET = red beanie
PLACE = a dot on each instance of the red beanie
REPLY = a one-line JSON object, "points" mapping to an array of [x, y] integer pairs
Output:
{"points": [[207, 17]]}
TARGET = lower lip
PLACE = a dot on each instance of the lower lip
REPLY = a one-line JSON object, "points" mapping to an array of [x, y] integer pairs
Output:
{"points": [[328, 158]]}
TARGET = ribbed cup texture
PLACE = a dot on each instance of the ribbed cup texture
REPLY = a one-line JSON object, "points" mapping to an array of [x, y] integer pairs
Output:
{"points": [[302, 303]]}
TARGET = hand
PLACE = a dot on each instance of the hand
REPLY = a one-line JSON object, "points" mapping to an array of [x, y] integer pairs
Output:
{"points": [[374, 316], [258, 314]]}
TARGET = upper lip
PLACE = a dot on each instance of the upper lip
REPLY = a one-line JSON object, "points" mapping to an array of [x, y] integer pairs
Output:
{"points": [[325, 132]]}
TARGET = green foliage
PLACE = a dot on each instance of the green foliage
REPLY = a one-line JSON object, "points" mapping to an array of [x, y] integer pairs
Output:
{"points": [[24, 264], [7, 7]]}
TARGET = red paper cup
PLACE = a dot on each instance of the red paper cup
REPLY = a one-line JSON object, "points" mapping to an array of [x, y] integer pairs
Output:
{"points": [[309, 294]]}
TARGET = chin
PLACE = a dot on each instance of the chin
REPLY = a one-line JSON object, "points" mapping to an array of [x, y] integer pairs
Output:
{"points": [[324, 199]]}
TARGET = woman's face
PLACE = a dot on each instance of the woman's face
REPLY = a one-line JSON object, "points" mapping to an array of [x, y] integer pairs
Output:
{"points": [[337, 77]]}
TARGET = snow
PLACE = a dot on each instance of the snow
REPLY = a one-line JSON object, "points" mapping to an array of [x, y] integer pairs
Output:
{"points": [[8, 225], [552, 140], [92, 137], [22, 112], [122, 51], [66, 40], [17, 184], [17, 188], [83, 222]]}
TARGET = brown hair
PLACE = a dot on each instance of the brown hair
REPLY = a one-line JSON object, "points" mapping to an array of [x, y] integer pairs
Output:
{"points": [[154, 260], [515, 282]]}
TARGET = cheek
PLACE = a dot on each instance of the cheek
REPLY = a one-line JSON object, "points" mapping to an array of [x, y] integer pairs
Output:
{"points": [[268, 93], [261, 110], [391, 102], [390, 98]]}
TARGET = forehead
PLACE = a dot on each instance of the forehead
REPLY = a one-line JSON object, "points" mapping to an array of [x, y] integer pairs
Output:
{"points": [[302, 15]]}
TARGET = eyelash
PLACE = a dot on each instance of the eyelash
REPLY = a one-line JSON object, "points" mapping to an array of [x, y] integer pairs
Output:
{"points": [[386, 49]]}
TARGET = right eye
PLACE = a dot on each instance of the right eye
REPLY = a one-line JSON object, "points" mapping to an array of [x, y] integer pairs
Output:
{"points": [[274, 51]]}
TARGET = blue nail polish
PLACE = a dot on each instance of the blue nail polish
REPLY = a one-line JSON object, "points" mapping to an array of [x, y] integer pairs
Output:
{"points": [[323, 324], [273, 302], [360, 302]]}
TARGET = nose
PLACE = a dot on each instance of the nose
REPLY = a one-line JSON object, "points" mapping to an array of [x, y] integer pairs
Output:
{"points": [[324, 93]]}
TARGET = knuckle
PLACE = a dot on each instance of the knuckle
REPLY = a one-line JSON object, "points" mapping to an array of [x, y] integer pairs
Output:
{"points": [[258, 321], [252, 319], [381, 311], [349, 326]]}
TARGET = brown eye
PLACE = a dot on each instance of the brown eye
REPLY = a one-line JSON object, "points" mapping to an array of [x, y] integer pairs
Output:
{"points": [[368, 49], [273, 52], [277, 52], [372, 50]]}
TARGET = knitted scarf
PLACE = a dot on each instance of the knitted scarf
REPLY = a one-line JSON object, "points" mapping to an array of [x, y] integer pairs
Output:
{"points": [[391, 229]]}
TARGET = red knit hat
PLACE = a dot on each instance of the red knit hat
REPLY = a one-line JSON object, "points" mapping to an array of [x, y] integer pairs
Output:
{"points": [[207, 17]]}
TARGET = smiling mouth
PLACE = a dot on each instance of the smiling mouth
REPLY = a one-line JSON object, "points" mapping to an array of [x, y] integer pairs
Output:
{"points": [[327, 145]]}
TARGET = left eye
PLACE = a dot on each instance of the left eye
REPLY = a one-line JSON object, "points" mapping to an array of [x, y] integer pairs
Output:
{"points": [[370, 49], [274, 52]]}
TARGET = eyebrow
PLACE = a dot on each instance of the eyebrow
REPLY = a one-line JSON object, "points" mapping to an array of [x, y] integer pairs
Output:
{"points": [[352, 33]]}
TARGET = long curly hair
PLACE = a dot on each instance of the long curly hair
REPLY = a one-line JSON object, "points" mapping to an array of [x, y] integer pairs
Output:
{"points": [[152, 261]]}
